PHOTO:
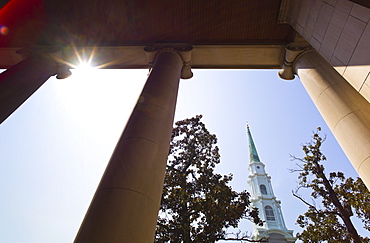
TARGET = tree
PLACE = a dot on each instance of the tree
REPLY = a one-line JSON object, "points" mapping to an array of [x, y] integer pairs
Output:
{"points": [[340, 199], [197, 203]]}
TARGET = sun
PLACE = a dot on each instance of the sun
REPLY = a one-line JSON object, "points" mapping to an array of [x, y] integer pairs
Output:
{"points": [[85, 71], [84, 62], [85, 66], [84, 57]]}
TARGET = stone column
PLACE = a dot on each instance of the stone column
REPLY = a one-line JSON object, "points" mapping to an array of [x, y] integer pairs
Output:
{"points": [[346, 112], [19, 82], [126, 203]]}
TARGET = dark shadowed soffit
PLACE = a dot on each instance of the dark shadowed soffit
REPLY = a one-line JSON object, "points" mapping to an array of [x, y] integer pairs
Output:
{"points": [[365, 3], [228, 30], [142, 22]]}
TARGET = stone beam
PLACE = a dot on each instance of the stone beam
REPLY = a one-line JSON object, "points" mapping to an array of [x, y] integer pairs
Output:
{"points": [[203, 56]]}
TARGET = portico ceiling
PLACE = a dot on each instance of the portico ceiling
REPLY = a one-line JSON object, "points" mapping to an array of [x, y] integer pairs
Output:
{"points": [[219, 28]]}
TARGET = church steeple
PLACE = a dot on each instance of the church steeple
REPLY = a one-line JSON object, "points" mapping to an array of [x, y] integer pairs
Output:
{"points": [[252, 148], [262, 197]]}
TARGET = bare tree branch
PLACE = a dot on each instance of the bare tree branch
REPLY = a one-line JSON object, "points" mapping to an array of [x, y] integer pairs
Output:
{"points": [[304, 201]]}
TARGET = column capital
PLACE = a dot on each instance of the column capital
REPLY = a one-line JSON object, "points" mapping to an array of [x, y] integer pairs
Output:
{"points": [[53, 53], [183, 50], [292, 53]]}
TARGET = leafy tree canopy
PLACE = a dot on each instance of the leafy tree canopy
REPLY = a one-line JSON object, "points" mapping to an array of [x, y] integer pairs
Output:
{"points": [[335, 199], [197, 204]]}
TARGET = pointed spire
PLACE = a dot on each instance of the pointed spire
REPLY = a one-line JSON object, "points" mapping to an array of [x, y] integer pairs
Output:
{"points": [[252, 148]]}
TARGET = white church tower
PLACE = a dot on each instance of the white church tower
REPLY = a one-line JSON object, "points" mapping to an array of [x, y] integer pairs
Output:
{"points": [[262, 197]]}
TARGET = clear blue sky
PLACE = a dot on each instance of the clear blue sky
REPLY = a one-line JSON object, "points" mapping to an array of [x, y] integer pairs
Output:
{"points": [[55, 147]]}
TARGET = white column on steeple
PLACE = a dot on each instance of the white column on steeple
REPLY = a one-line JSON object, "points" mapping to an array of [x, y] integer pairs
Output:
{"points": [[262, 197]]}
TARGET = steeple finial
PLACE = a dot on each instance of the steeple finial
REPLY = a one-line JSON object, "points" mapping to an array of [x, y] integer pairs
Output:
{"points": [[252, 148]]}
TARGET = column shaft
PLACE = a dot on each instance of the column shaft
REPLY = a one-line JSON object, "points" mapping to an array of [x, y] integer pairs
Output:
{"points": [[345, 111], [22, 80], [126, 203]]}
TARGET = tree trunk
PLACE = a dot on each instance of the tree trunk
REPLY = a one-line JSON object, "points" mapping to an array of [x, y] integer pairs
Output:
{"points": [[345, 215], [185, 215]]}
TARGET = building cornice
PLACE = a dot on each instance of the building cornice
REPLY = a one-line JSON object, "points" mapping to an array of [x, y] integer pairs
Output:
{"points": [[134, 57]]}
